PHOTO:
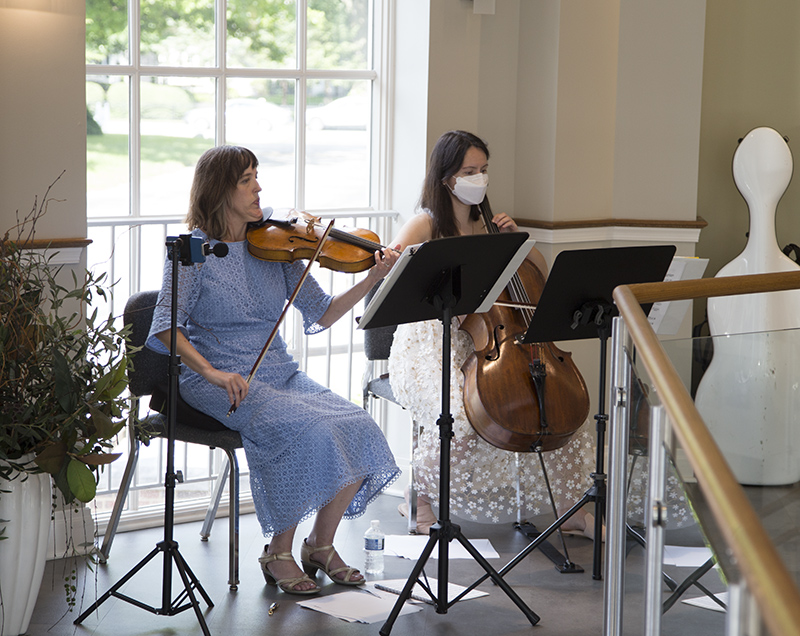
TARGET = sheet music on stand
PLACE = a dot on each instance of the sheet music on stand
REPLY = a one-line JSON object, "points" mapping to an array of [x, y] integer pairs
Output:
{"points": [[666, 317], [376, 314]]}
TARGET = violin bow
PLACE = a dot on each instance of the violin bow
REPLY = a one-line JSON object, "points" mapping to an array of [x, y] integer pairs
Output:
{"points": [[277, 326]]}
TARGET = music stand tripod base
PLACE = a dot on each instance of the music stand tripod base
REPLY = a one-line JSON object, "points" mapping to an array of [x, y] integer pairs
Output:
{"points": [[442, 279], [577, 303], [561, 563]]}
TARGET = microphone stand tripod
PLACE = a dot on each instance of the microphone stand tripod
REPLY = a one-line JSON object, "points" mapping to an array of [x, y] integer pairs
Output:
{"points": [[179, 247]]}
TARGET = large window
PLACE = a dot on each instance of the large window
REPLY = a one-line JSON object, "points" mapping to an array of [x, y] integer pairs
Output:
{"points": [[293, 80]]}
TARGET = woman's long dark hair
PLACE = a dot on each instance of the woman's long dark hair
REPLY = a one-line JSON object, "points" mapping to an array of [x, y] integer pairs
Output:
{"points": [[446, 159], [215, 179]]}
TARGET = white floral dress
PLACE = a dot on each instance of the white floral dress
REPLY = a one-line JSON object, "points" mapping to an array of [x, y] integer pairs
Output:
{"points": [[483, 478]]}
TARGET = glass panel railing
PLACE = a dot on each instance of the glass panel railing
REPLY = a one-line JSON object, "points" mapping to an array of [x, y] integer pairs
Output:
{"points": [[746, 389], [757, 372], [668, 541]]}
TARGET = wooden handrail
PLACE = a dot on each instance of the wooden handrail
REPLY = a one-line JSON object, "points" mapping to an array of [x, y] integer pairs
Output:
{"points": [[707, 287], [771, 584], [698, 223], [56, 243]]}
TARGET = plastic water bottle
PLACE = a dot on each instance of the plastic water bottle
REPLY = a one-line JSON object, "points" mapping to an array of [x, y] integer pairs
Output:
{"points": [[373, 548]]}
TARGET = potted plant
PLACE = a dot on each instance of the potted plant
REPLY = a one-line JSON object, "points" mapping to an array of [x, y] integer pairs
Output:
{"points": [[62, 400]]}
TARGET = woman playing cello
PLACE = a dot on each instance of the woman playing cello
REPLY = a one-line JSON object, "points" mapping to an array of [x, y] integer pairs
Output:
{"points": [[484, 477]]}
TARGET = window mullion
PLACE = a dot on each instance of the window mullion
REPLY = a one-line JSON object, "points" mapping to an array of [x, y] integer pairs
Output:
{"points": [[300, 105], [221, 88], [383, 116], [134, 108], [221, 23]]}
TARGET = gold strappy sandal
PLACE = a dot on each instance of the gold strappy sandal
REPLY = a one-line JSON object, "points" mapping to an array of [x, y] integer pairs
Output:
{"points": [[311, 566], [287, 585]]}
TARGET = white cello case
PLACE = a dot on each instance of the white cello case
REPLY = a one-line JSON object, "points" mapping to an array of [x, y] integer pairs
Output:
{"points": [[756, 429]]}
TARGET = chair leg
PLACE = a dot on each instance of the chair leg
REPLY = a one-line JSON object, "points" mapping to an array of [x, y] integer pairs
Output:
{"points": [[122, 495], [213, 503], [518, 484], [412, 491], [229, 472], [369, 370], [233, 522]]}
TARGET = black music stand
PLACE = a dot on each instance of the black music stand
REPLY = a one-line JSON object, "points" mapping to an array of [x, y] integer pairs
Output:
{"points": [[441, 279], [576, 303]]}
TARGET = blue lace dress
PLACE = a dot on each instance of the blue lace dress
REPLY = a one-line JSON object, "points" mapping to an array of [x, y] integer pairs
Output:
{"points": [[303, 442]]}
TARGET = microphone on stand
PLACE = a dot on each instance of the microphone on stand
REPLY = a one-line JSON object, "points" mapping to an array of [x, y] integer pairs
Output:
{"points": [[219, 250], [193, 249]]}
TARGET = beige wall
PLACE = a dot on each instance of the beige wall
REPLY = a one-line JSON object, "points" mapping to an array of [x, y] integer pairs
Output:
{"points": [[43, 113], [585, 114], [660, 69], [591, 109], [751, 78]]}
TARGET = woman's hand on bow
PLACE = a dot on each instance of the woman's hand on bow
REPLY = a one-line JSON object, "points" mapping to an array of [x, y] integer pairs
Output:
{"points": [[233, 383]]}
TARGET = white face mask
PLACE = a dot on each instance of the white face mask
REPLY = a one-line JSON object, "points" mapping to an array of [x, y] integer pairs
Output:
{"points": [[472, 189]]}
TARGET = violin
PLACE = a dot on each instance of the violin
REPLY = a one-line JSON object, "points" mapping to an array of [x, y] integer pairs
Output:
{"points": [[289, 240], [520, 397], [314, 256]]}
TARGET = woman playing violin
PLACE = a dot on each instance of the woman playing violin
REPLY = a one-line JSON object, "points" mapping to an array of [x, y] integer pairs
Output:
{"points": [[483, 477], [309, 451]]}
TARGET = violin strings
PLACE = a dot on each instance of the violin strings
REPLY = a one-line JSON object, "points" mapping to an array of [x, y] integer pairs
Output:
{"points": [[356, 240]]}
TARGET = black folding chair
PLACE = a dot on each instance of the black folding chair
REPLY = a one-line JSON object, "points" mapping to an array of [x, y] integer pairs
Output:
{"points": [[149, 376]]}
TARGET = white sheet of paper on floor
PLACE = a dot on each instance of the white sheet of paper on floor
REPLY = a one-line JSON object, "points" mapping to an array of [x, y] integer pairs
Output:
{"points": [[411, 546], [359, 605], [418, 594], [706, 603], [684, 557]]}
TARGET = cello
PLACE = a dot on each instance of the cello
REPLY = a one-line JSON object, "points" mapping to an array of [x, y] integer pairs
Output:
{"points": [[520, 397]]}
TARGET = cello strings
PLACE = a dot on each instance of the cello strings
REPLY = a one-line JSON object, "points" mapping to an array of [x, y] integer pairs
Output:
{"points": [[515, 287], [519, 295]]}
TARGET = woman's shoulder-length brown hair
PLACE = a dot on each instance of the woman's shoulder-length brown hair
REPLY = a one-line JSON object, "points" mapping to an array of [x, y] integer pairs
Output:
{"points": [[215, 178]]}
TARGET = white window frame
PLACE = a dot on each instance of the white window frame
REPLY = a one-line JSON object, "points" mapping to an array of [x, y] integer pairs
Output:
{"points": [[381, 48]]}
